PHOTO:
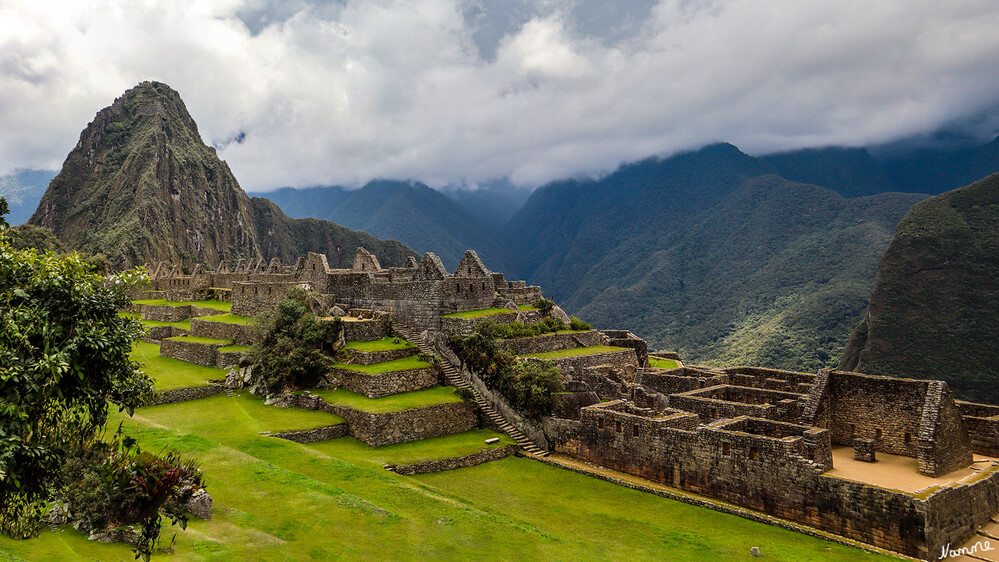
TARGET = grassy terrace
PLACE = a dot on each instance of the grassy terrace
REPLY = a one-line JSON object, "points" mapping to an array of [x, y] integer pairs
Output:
{"points": [[576, 352], [456, 445], [168, 373], [279, 500], [404, 364], [241, 348], [663, 363], [384, 344], [479, 313], [229, 318], [217, 305], [197, 339], [389, 404]]}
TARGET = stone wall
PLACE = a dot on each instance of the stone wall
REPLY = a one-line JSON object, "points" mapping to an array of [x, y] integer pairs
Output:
{"points": [[154, 334], [772, 475], [313, 435], [385, 384], [551, 342], [466, 326], [954, 513], [367, 330], [252, 298], [913, 418], [773, 379], [683, 379], [577, 365], [202, 354], [624, 338], [239, 334], [727, 401], [396, 427], [359, 357], [185, 394], [982, 421], [456, 462]]}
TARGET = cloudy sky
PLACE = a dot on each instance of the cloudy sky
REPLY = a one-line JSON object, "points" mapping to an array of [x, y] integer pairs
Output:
{"points": [[463, 91]]}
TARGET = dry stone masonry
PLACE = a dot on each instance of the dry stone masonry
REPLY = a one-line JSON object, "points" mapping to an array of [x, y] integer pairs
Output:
{"points": [[762, 439]]}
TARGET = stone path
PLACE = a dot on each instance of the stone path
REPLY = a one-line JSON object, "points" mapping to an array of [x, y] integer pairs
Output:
{"points": [[455, 379]]}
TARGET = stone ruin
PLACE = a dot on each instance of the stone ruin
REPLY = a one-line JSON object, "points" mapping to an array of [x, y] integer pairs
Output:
{"points": [[763, 439]]}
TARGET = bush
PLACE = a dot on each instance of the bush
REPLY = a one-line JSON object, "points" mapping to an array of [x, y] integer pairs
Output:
{"points": [[110, 484], [297, 349], [464, 393], [544, 305], [577, 324], [527, 385]]}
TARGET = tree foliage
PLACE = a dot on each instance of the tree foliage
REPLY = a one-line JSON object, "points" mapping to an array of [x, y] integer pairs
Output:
{"points": [[64, 352], [527, 385], [297, 348]]}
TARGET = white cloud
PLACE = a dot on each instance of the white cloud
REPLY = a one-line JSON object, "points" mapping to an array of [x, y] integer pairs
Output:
{"points": [[342, 92]]}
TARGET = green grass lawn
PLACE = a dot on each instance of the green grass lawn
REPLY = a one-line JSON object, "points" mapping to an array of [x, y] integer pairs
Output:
{"points": [[213, 304], [479, 313], [394, 403], [575, 352], [456, 445], [197, 339], [229, 318], [183, 324], [384, 344], [404, 364], [279, 500], [663, 363], [527, 307], [242, 348], [168, 373]]}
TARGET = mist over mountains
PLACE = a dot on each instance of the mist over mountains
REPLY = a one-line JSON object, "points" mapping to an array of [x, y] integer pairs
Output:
{"points": [[725, 257]]}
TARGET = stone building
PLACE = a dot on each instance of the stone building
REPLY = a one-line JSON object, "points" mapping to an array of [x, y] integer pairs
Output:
{"points": [[816, 449]]}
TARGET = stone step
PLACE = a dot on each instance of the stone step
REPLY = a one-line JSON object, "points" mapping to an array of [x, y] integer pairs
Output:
{"points": [[454, 378]]}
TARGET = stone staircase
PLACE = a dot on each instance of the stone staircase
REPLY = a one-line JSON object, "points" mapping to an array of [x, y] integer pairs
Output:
{"points": [[455, 379]]}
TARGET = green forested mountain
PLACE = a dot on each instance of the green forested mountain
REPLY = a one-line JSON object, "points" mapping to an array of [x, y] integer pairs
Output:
{"points": [[141, 186], [934, 310], [421, 217], [707, 254]]}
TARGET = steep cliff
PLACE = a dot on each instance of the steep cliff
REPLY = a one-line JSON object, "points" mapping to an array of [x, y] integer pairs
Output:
{"points": [[141, 186], [934, 310]]}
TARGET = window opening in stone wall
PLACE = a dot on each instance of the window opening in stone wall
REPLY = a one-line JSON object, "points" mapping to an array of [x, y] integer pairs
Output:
{"points": [[877, 433], [714, 413], [600, 423], [619, 428], [752, 453], [908, 437], [634, 431], [853, 430], [726, 449]]}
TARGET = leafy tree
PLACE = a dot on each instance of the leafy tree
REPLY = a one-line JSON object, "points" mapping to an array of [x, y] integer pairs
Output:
{"points": [[297, 348], [64, 352]]}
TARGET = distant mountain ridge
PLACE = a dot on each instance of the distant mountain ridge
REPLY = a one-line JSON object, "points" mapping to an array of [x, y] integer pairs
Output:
{"points": [[423, 218], [711, 254], [934, 309], [142, 186]]}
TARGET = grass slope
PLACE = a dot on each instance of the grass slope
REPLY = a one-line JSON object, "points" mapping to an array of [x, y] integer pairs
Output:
{"points": [[384, 344], [394, 403], [404, 364], [213, 304], [229, 318], [279, 500], [169, 374], [575, 352], [482, 313]]}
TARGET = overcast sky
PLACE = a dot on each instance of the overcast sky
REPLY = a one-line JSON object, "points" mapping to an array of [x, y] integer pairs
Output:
{"points": [[463, 91]]}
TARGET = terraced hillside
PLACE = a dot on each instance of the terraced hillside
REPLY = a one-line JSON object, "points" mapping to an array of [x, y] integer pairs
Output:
{"points": [[332, 497]]}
